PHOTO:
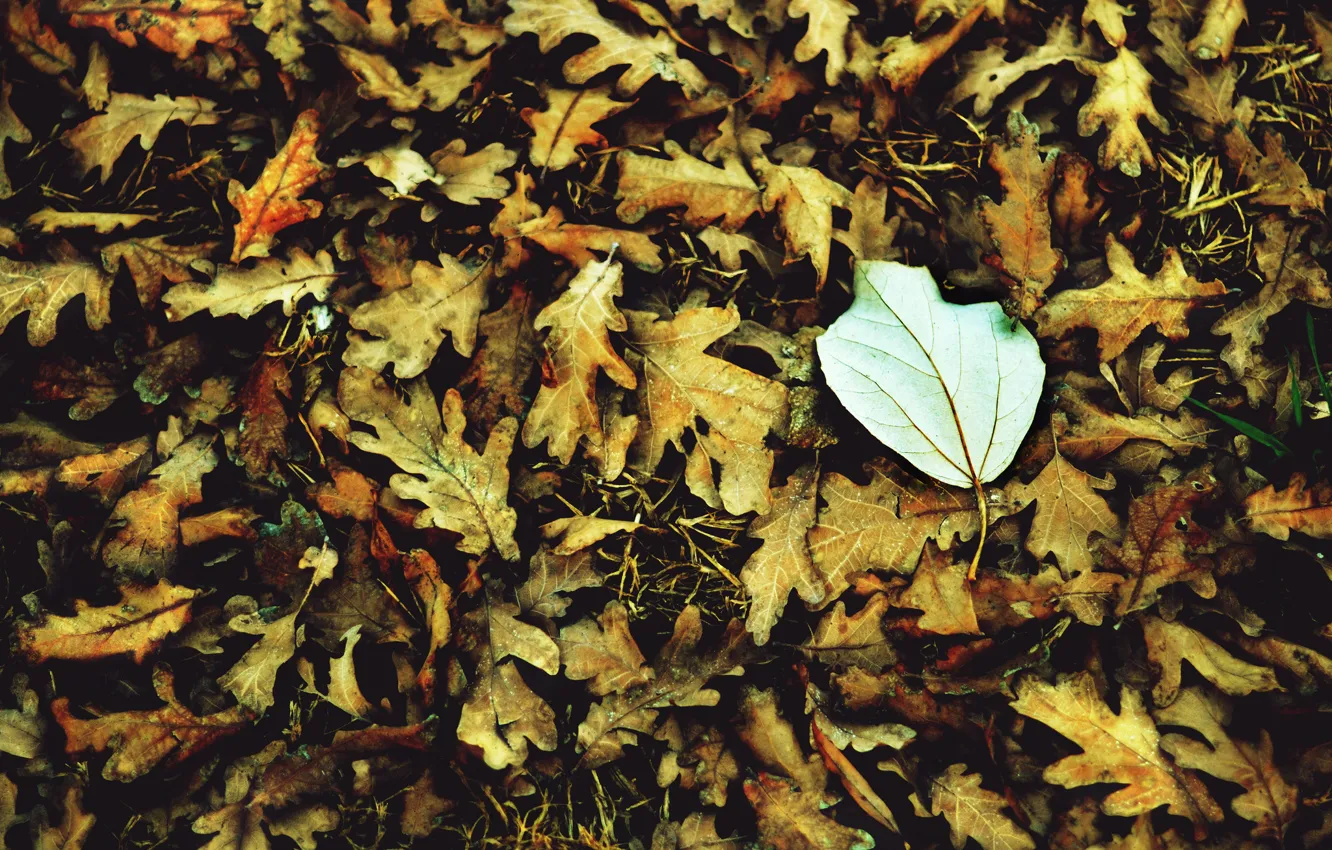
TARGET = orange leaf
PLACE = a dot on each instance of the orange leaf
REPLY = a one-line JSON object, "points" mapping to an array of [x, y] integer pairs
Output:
{"points": [[1299, 507], [141, 740], [171, 25], [272, 202]]}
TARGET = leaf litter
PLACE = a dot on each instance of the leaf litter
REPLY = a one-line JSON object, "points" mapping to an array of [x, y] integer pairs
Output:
{"points": [[439, 423]]}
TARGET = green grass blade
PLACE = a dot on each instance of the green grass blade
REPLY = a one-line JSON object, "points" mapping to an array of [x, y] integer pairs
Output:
{"points": [[1318, 365], [1251, 431]]}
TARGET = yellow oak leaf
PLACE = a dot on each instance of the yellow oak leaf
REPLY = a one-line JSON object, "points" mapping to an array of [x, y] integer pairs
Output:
{"points": [[42, 289], [99, 141], [238, 291], [1121, 96], [975, 812], [136, 626], [804, 199], [783, 562]]}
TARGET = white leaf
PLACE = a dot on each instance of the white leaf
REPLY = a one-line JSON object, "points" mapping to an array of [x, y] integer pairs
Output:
{"points": [[952, 388]]}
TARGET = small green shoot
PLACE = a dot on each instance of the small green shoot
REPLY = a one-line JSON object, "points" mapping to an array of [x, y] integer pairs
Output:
{"points": [[1251, 431], [1313, 350]]}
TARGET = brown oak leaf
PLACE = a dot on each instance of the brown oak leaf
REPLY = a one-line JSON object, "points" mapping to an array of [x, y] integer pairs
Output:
{"points": [[1020, 226], [406, 326], [681, 383], [141, 740], [707, 192], [1298, 507], [680, 675], [1122, 95], [495, 382], [1269, 801], [147, 543], [804, 199], [975, 812], [151, 260], [237, 291], [940, 589], [99, 141], [783, 562], [552, 21], [604, 653], [1129, 302], [1163, 544], [883, 525], [578, 346], [1121, 749], [858, 640], [566, 124], [1068, 511], [464, 492], [1169, 644], [171, 25], [502, 714], [35, 41], [42, 289]]}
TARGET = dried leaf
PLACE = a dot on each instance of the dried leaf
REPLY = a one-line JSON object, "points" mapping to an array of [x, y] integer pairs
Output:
{"points": [[681, 384], [141, 740], [237, 291], [1129, 302], [272, 203], [707, 192], [99, 141], [170, 25], [1269, 801], [406, 327], [502, 714], [1121, 96], [647, 56], [464, 492], [974, 812], [604, 652], [578, 347], [940, 589], [566, 124], [42, 289], [1122, 749], [783, 562], [1169, 644], [135, 626], [1068, 512], [152, 259], [147, 544], [1298, 507], [803, 199], [1020, 226], [469, 178]]}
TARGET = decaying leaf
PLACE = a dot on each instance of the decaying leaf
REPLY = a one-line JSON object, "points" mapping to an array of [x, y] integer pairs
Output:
{"points": [[566, 124], [464, 492], [1121, 748], [273, 202], [973, 811], [783, 562], [406, 327], [578, 346], [1168, 644], [646, 56], [1129, 302], [136, 626], [142, 740], [1298, 507], [682, 383], [243, 292], [99, 141]]}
